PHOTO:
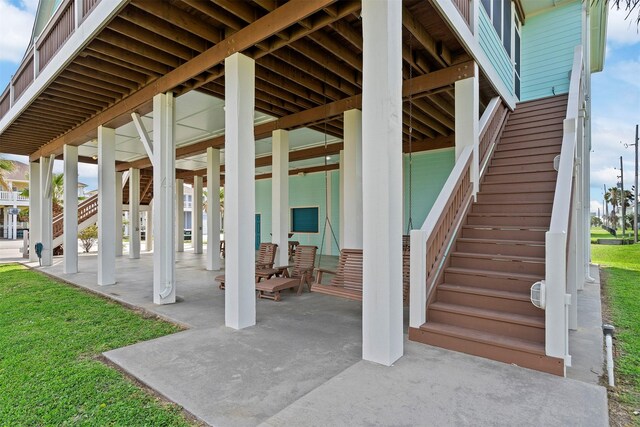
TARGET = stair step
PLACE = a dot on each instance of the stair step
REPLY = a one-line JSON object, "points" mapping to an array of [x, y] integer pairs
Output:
{"points": [[506, 263], [501, 247], [523, 159], [488, 279], [509, 207], [528, 354], [548, 175], [520, 144], [487, 298], [558, 114], [533, 127], [485, 196], [530, 328], [522, 168], [509, 219], [506, 233], [506, 186], [533, 151]]}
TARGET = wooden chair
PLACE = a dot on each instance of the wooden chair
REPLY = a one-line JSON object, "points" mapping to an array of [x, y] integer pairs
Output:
{"points": [[347, 280], [293, 244], [300, 272], [406, 263], [264, 263]]}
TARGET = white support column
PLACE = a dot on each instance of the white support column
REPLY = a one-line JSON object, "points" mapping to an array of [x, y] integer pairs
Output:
{"points": [[382, 330], [180, 215], [341, 174], [5, 222], [34, 209], [70, 242], [46, 214], [328, 236], [78, 11], [352, 179], [164, 181], [280, 194], [213, 212], [14, 218], [106, 206], [148, 241], [196, 234], [134, 213], [467, 104], [240, 300], [119, 233]]}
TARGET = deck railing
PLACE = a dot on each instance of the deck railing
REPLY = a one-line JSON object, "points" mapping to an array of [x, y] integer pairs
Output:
{"points": [[560, 257], [464, 7], [86, 209], [430, 246], [11, 196], [60, 27]]}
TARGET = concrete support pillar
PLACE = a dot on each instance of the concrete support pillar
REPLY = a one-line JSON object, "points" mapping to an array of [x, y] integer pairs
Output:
{"points": [[14, 218], [180, 215], [148, 241], [341, 208], [467, 105], [164, 180], [134, 213], [352, 179], [196, 234], [382, 331], [34, 209], [46, 214], [240, 299], [280, 194], [119, 233], [213, 211], [106, 206], [5, 223], [70, 242]]}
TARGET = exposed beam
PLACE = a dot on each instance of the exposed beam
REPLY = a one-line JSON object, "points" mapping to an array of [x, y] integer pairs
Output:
{"points": [[274, 22]]}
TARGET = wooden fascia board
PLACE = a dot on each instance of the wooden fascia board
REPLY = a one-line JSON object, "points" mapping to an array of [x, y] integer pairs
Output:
{"points": [[270, 24]]}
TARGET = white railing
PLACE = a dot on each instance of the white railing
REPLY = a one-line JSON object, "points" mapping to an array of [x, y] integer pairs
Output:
{"points": [[431, 244], [560, 259], [12, 196]]}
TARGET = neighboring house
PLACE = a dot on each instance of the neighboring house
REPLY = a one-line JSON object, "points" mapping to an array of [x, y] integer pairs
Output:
{"points": [[81, 190], [12, 201], [442, 119]]}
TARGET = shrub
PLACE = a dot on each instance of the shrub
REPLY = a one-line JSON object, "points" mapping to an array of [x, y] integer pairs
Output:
{"points": [[88, 237]]}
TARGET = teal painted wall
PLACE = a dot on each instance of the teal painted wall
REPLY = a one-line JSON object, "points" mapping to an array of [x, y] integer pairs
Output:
{"points": [[493, 48], [548, 41], [430, 171], [304, 191]]}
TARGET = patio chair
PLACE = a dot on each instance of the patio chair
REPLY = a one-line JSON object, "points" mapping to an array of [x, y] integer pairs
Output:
{"points": [[292, 276], [347, 279], [264, 261]]}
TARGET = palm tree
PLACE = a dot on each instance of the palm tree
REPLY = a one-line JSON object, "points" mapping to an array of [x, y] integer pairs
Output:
{"points": [[6, 166], [616, 197]]}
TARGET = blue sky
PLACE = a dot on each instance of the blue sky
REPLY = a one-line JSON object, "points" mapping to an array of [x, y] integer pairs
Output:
{"points": [[615, 93]]}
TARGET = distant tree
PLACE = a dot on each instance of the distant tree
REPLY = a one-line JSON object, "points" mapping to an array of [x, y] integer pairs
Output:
{"points": [[88, 237], [6, 166], [629, 6], [596, 221]]}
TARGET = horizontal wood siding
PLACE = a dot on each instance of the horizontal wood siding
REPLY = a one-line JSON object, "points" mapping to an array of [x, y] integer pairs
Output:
{"points": [[548, 40], [493, 48]]}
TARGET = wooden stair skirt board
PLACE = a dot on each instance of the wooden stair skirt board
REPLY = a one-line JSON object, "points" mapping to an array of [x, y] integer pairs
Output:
{"points": [[481, 304], [495, 347]]}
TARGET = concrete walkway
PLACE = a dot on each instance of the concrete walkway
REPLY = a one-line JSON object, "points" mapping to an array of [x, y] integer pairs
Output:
{"points": [[301, 364]]}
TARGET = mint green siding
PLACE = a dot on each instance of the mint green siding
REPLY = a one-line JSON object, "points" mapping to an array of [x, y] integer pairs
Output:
{"points": [[493, 48], [430, 171], [548, 42]]}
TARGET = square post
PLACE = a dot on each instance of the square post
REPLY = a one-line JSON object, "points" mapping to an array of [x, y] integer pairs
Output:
{"points": [[148, 241], [467, 126], [213, 210], [164, 180], [46, 214], [382, 329], [70, 242], [353, 179], [106, 206], [34, 209], [280, 194], [196, 234], [240, 299], [180, 215], [341, 199], [134, 213], [119, 232]]}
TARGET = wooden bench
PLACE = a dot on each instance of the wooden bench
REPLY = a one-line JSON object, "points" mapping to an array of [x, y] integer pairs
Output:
{"points": [[264, 263], [347, 279], [271, 288]]}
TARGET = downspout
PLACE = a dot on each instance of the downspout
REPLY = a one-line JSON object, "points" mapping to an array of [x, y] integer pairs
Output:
{"points": [[586, 163]]}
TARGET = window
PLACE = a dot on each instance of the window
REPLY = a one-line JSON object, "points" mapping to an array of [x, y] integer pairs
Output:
{"points": [[304, 220], [506, 25], [496, 16], [499, 12]]}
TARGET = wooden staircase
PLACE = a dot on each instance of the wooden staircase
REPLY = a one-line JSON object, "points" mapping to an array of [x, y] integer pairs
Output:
{"points": [[481, 303]]}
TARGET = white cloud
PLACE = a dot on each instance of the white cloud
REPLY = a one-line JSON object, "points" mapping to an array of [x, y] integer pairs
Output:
{"points": [[16, 24], [621, 30], [595, 205], [606, 175]]}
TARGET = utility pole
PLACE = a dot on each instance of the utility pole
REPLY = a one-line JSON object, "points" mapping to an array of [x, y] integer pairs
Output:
{"points": [[606, 206], [635, 199]]}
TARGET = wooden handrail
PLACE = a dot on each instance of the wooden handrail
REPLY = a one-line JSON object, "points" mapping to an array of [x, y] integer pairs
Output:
{"points": [[86, 210], [492, 124]]}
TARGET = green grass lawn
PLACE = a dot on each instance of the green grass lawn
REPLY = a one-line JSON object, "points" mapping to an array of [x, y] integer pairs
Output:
{"points": [[50, 337], [621, 285]]}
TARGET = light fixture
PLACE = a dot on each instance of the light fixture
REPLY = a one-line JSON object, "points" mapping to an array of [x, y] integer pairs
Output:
{"points": [[328, 157], [94, 157]]}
